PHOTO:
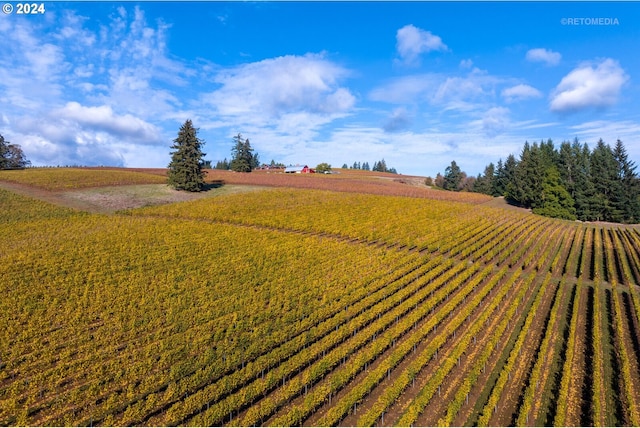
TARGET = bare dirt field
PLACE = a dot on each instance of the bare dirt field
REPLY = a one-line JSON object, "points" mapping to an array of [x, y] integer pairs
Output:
{"points": [[106, 200]]}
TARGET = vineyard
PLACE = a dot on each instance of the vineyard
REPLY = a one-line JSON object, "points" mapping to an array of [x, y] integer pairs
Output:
{"points": [[289, 307]]}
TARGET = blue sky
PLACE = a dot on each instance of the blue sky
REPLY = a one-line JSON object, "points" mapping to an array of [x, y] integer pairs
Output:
{"points": [[417, 83]]}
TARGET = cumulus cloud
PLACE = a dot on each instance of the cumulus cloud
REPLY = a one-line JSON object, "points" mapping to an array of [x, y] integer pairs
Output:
{"points": [[589, 86], [80, 135], [543, 55], [102, 118], [63, 78], [267, 90], [520, 92], [412, 41]]}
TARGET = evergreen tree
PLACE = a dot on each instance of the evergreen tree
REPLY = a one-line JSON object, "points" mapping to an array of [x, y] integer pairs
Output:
{"points": [[601, 185], [555, 200], [381, 166], [548, 154], [185, 168], [568, 167], [452, 177], [345, 166], [604, 173], [11, 155], [499, 185], [525, 187], [223, 164], [484, 183], [585, 192], [628, 200], [243, 159]]}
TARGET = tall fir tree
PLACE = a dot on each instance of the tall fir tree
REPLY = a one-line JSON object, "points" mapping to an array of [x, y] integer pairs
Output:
{"points": [[185, 168], [607, 184], [452, 177], [629, 199], [243, 159], [584, 192], [499, 184], [485, 183]]}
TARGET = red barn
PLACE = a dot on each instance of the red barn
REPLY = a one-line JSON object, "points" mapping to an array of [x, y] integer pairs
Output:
{"points": [[299, 170]]}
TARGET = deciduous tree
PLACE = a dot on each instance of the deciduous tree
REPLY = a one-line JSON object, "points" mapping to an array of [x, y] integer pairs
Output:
{"points": [[11, 155]]}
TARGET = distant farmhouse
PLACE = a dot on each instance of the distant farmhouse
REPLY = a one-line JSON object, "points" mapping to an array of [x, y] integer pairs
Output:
{"points": [[299, 170]]}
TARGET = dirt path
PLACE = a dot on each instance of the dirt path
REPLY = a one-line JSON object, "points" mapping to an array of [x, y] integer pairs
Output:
{"points": [[500, 202]]}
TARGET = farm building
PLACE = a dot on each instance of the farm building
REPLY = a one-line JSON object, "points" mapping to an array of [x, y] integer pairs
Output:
{"points": [[299, 170]]}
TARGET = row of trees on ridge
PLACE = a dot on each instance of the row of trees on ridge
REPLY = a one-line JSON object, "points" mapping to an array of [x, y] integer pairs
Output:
{"points": [[571, 182], [379, 166]]}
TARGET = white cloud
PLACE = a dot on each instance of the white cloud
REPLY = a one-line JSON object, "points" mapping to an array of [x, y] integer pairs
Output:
{"points": [[495, 121], [588, 86], [520, 92], [467, 92], [466, 63], [406, 89], [412, 41], [609, 131], [265, 91], [543, 55], [399, 120], [102, 118], [81, 92]]}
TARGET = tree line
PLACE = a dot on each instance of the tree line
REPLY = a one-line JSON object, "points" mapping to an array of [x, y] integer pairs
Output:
{"points": [[571, 182], [378, 166]]}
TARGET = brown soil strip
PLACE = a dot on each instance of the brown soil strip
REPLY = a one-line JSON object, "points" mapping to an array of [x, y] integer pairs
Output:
{"points": [[517, 382], [108, 200], [50, 197], [578, 373], [549, 362], [438, 408], [351, 419]]}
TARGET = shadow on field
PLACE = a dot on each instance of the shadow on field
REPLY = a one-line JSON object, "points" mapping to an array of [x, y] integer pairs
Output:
{"points": [[215, 184]]}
